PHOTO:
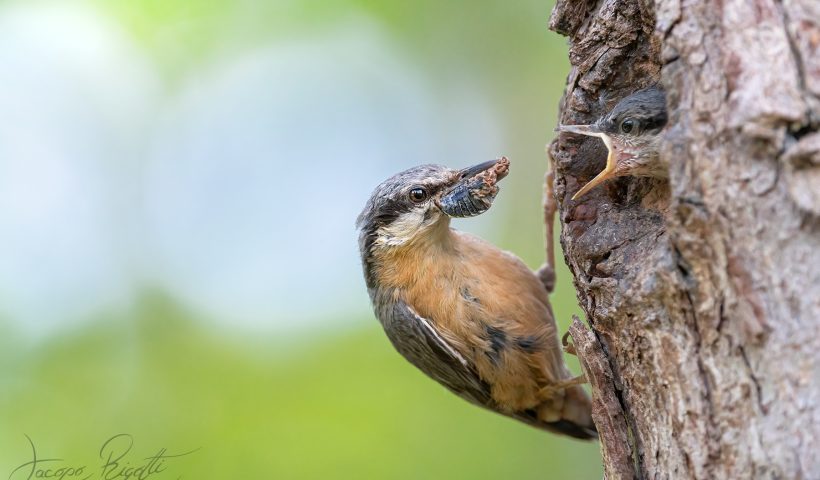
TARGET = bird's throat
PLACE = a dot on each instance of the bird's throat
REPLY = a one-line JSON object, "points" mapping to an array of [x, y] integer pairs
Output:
{"points": [[425, 256]]}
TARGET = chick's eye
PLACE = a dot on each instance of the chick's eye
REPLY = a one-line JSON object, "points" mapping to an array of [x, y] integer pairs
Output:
{"points": [[418, 195], [628, 125]]}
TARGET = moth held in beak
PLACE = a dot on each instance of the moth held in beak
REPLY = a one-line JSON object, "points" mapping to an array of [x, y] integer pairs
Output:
{"points": [[474, 191]]}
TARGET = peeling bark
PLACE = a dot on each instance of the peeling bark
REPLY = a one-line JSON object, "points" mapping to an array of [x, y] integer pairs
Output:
{"points": [[703, 292]]}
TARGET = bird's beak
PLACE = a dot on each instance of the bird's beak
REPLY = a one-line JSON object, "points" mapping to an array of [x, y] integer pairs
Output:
{"points": [[590, 130], [474, 189], [611, 160], [470, 172]]}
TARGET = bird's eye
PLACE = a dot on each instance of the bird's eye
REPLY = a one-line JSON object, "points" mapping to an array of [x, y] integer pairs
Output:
{"points": [[418, 195], [628, 125]]}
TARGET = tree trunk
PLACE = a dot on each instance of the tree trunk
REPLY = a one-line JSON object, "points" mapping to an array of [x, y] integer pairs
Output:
{"points": [[702, 293]]}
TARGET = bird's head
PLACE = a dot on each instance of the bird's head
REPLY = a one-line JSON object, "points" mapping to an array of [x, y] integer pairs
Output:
{"points": [[416, 203], [631, 132]]}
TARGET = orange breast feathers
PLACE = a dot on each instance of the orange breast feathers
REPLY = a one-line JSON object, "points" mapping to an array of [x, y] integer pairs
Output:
{"points": [[489, 306]]}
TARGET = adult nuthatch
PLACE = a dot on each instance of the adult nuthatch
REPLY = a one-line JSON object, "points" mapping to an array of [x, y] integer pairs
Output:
{"points": [[472, 317], [632, 135]]}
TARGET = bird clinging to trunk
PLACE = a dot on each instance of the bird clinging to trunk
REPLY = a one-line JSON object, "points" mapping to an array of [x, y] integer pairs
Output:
{"points": [[467, 314]]}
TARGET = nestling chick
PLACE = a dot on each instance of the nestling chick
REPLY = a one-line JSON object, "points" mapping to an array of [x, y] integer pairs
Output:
{"points": [[470, 316], [632, 135]]}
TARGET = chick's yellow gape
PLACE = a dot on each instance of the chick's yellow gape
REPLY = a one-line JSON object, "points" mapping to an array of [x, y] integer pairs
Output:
{"points": [[632, 132], [470, 316]]}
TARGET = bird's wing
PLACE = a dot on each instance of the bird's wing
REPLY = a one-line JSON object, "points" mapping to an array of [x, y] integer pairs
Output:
{"points": [[417, 339]]}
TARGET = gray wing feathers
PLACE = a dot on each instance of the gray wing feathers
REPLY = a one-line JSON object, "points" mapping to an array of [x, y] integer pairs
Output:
{"points": [[418, 341]]}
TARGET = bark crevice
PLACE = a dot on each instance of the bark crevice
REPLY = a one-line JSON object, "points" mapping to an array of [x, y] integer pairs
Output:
{"points": [[608, 409], [701, 294]]}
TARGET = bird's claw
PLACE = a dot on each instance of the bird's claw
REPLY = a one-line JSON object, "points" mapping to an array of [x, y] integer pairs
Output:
{"points": [[550, 390], [546, 274], [568, 347]]}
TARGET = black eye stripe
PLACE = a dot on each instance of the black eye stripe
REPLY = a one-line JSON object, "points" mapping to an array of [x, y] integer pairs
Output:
{"points": [[655, 122]]}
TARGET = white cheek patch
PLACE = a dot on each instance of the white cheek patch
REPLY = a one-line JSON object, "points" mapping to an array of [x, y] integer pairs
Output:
{"points": [[402, 229]]}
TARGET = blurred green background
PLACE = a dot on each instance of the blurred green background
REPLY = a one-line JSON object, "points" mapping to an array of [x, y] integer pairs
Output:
{"points": [[178, 186]]}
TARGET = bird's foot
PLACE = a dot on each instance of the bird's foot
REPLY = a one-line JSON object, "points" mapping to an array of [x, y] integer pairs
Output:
{"points": [[568, 347], [547, 276], [551, 390]]}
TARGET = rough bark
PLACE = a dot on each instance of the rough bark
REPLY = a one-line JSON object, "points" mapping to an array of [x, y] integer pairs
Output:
{"points": [[702, 293]]}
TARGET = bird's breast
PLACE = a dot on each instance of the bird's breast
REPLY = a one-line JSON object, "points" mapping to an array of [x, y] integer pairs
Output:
{"points": [[468, 289]]}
